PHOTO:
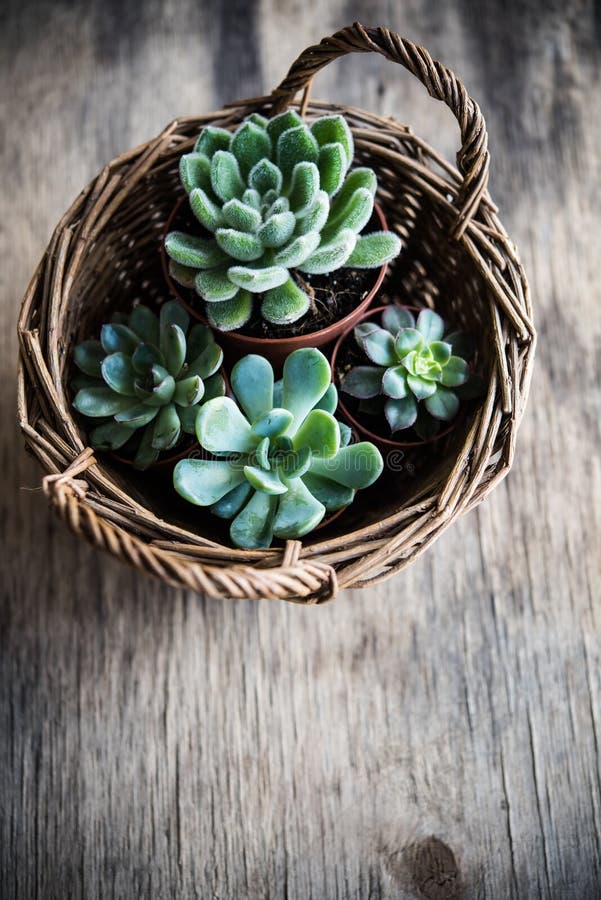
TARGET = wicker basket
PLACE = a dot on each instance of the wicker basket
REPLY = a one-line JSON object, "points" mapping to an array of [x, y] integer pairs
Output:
{"points": [[457, 257]]}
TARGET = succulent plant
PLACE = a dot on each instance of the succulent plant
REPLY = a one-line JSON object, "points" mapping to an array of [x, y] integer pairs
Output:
{"points": [[284, 459], [143, 381], [276, 196], [415, 373]]}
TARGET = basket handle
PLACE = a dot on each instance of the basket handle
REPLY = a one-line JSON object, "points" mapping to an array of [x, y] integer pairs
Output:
{"points": [[294, 579], [441, 83]]}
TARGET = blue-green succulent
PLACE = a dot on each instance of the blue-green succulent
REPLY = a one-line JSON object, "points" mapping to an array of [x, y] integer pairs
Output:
{"points": [[276, 196], [414, 372], [281, 459], [144, 381]]}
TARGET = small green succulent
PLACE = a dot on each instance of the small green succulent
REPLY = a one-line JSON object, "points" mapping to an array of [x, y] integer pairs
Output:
{"points": [[277, 197], [416, 369], [284, 459], [143, 381]]}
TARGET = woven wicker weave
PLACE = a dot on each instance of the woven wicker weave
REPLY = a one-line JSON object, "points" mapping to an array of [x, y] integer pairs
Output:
{"points": [[457, 257]]}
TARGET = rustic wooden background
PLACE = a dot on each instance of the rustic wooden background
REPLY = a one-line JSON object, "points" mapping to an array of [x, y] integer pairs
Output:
{"points": [[436, 737]]}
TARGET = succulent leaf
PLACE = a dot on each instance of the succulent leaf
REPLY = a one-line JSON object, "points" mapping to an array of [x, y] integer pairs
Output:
{"points": [[276, 230], [232, 314], [282, 122], [241, 215], [98, 402], [145, 356], [239, 244], [455, 372], [265, 176], [118, 372], [299, 512], [144, 323], [334, 130], [294, 253], [137, 415], [377, 343], [206, 363], [173, 347], [249, 144], [212, 139], [195, 171], [285, 303], [332, 166], [110, 436], [167, 428], [221, 427], [305, 380], [257, 280], [88, 357], [334, 496], [215, 285], [232, 502], [358, 178], [208, 213], [408, 340], [252, 383], [226, 179], [444, 404], [319, 432], [430, 325], [295, 145], [394, 382], [273, 423], [189, 391], [316, 216], [363, 381], [402, 413], [374, 250], [304, 187], [117, 338], [183, 275], [396, 317], [252, 528], [205, 481], [193, 252], [330, 256], [264, 480], [356, 466]]}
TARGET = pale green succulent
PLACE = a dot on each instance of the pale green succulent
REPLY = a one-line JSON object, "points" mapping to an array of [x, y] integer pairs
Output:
{"points": [[143, 382], [284, 460], [276, 196], [415, 373]]}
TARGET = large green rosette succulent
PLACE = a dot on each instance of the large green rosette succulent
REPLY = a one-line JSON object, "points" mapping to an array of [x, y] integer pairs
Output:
{"points": [[143, 382], [275, 195], [283, 460]]}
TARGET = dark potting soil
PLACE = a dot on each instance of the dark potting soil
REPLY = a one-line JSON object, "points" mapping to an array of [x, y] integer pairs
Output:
{"points": [[332, 296]]}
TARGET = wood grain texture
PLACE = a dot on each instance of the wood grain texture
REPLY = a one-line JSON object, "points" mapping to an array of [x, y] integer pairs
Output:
{"points": [[157, 744]]}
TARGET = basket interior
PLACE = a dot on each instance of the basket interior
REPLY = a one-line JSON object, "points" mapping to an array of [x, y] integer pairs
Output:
{"points": [[416, 190]]}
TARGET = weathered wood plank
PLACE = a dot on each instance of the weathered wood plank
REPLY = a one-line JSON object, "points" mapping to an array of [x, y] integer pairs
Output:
{"points": [[153, 743]]}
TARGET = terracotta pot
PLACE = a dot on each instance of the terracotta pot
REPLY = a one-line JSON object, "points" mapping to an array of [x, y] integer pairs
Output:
{"points": [[384, 444], [274, 349]]}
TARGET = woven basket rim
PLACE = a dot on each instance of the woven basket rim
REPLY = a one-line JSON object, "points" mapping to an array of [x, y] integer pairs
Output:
{"points": [[80, 487]]}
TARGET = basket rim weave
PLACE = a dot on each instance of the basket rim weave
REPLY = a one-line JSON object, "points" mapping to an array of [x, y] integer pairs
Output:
{"points": [[79, 487]]}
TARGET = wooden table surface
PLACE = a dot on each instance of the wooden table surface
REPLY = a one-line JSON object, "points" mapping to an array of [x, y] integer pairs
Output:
{"points": [[436, 737]]}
